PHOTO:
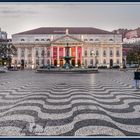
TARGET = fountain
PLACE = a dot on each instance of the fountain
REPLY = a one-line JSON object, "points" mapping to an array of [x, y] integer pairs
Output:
{"points": [[67, 58], [67, 66]]}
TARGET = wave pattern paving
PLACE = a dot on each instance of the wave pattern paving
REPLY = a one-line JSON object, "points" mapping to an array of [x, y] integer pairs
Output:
{"points": [[103, 104]]}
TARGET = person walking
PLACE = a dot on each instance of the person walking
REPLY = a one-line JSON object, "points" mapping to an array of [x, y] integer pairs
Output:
{"points": [[137, 77]]}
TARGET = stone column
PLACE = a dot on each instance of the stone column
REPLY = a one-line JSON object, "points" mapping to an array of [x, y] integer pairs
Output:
{"points": [[33, 58], [70, 54], [121, 55], [26, 57], [64, 54], [114, 55], [108, 56], [40, 56], [101, 54], [19, 54], [82, 60], [76, 64], [45, 55], [58, 61], [51, 55]]}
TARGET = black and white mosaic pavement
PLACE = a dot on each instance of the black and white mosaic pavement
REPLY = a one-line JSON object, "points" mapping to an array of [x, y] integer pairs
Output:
{"points": [[101, 104]]}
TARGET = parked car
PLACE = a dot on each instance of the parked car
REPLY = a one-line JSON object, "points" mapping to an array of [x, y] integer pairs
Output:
{"points": [[91, 66], [3, 70], [12, 68], [116, 67], [44, 67], [102, 67]]}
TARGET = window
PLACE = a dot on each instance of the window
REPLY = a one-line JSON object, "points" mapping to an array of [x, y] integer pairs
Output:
{"points": [[43, 61], [36, 39], [48, 62], [42, 39], [96, 39], [29, 53], [36, 53], [37, 61], [85, 62], [104, 53], [42, 53], [29, 62], [48, 39], [85, 52], [22, 40], [111, 53], [22, 53], [104, 61], [48, 53], [117, 53], [97, 53], [118, 61], [91, 61], [91, 40], [85, 40], [97, 61], [111, 39]]}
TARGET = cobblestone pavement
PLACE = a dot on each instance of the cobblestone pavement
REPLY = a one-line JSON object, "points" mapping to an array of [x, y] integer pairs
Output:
{"points": [[100, 104]]}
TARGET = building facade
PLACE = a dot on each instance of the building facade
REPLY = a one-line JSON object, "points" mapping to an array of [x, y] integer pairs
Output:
{"points": [[88, 46]]}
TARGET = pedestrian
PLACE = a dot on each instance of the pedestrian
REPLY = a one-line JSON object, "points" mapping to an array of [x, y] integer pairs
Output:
{"points": [[137, 77]]}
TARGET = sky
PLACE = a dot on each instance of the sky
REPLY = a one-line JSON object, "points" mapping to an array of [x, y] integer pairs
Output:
{"points": [[18, 17]]}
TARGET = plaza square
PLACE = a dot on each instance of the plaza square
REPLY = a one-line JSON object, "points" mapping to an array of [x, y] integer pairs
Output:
{"points": [[100, 104]]}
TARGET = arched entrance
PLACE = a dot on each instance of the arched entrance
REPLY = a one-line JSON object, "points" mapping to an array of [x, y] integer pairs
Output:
{"points": [[79, 63], [22, 64], [111, 63], [55, 62], [61, 63], [73, 62], [48, 62]]}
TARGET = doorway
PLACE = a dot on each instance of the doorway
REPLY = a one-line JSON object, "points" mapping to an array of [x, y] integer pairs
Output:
{"points": [[22, 64], [55, 62], [61, 63], [73, 62], [111, 63]]}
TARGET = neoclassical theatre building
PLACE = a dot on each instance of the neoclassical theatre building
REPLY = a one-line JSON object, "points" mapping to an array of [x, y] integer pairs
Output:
{"points": [[46, 45]]}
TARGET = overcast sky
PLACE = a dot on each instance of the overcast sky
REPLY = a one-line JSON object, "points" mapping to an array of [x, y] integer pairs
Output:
{"points": [[17, 17]]}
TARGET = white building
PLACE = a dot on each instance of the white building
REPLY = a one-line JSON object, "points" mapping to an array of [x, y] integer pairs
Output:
{"points": [[88, 46]]}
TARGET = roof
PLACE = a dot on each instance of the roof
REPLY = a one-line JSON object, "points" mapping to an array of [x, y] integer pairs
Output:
{"points": [[62, 30], [66, 37]]}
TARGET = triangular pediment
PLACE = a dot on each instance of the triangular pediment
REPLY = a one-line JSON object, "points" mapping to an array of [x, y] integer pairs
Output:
{"points": [[67, 39]]}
